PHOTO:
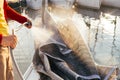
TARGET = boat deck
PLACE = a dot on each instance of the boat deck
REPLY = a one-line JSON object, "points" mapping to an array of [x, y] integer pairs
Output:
{"points": [[100, 30]]}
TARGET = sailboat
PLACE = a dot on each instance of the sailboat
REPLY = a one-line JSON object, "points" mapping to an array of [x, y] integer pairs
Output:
{"points": [[72, 41]]}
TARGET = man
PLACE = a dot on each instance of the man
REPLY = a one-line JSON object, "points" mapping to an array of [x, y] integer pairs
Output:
{"points": [[7, 40]]}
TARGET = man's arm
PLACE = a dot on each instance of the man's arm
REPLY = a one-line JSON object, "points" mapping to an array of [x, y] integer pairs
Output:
{"points": [[12, 14]]}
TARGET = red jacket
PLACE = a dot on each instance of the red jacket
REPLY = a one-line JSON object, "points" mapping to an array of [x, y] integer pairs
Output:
{"points": [[12, 14]]}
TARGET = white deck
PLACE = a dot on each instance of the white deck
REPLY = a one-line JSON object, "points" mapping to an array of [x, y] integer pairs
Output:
{"points": [[31, 74]]}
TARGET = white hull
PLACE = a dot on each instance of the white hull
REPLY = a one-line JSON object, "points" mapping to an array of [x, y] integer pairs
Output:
{"points": [[63, 3], [112, 3], [95, 4], [34, 4]]}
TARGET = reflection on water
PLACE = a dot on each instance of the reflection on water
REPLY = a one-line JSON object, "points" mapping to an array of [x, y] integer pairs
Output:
{"points": [[103, 39]]}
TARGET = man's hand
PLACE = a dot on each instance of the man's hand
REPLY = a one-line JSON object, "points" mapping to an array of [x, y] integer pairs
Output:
{"points": [[28, 24], [10, 40]]}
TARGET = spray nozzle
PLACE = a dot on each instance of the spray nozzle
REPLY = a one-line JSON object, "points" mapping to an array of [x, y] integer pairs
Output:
{"points": [[27, 24]]}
